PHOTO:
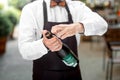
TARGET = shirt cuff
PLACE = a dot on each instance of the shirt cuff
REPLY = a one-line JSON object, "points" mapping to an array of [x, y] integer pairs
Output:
{"points": [[88, 29], [37, 51], [43, 49]]}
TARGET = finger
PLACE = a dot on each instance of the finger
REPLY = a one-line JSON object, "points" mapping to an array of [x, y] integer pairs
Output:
{"points": [[61, 33], [56, 48], [67, 35], [57, 28], [57, 42], [44, 35], [44, 32], [64, 36], [51, 43], [53, 40]]}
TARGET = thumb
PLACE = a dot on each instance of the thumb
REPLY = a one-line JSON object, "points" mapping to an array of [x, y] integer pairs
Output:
{"points": [[44, 32]]}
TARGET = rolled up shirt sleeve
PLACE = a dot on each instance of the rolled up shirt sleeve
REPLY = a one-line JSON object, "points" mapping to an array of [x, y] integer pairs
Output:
{"points": [[93, 23], [29, 47]]}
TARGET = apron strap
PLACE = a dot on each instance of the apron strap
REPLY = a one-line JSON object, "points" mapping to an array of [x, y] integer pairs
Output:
{"points": [[69, 14], [46, 17], [45, 12]]}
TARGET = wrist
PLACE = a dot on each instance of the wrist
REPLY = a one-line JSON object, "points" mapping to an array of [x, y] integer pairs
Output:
{"points": [[79, 27]]}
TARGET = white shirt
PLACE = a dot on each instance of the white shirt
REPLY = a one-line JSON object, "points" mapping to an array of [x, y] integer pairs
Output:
{"points": [[31, 24]]}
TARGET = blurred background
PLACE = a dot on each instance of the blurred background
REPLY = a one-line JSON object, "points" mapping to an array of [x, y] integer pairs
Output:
{"points": [[99, 55]]}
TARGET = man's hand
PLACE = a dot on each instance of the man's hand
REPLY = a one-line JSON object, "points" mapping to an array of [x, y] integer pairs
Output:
{"points": [[53, 44], [66, 30]]}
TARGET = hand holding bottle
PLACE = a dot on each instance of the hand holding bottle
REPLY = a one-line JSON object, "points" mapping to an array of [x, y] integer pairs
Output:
{"points": [[53, 44], [65, 53]]}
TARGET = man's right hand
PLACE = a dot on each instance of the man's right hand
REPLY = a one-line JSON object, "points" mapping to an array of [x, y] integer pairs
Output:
{"points": [[53, 44]]}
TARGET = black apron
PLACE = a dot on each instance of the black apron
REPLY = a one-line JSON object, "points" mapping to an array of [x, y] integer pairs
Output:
{"points": [[50, 66]]}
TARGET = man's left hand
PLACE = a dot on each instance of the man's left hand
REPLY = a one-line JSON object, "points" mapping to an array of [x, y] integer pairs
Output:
{"points": [[66, 30]]}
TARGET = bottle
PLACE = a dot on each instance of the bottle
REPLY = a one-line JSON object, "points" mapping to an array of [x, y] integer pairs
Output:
{"points": [[66, 54]]}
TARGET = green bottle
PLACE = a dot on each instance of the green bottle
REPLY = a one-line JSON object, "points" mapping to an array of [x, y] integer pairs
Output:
{"points": [[66, 54]]}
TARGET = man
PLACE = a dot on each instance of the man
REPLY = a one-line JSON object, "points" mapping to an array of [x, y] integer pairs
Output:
{"points": [[67, 20]]}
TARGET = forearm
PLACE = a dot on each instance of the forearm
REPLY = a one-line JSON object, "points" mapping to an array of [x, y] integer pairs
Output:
{"points": [[32, 50]]}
